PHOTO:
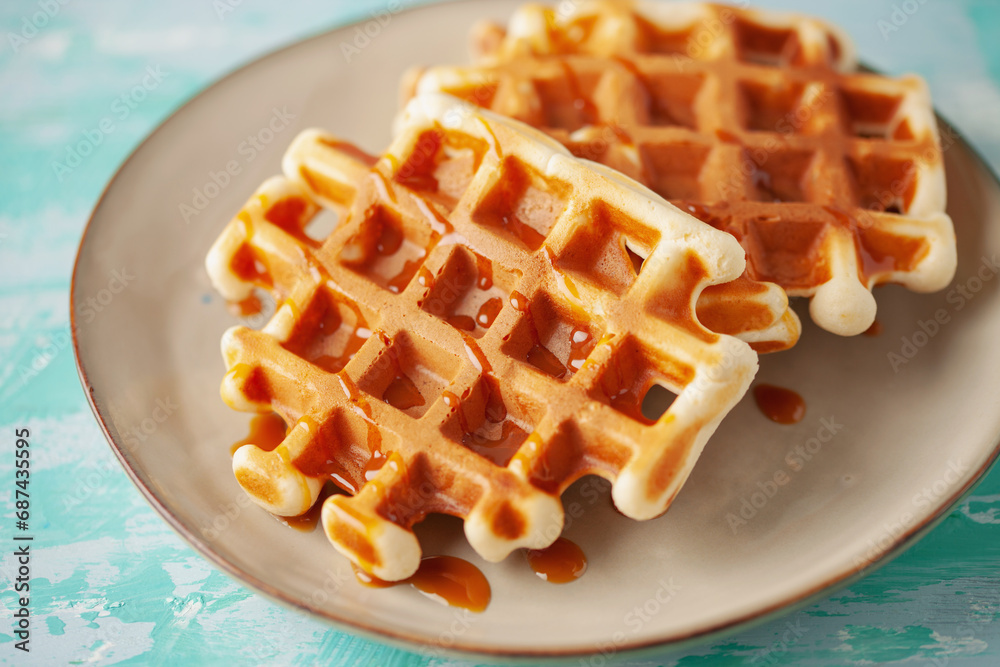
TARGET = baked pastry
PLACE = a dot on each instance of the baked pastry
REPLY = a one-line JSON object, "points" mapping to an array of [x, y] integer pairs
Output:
{"points": [[755, 122], [478, 331]]}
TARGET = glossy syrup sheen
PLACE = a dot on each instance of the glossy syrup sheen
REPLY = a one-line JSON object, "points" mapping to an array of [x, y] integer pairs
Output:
{"points": [[779, 404], [266, 432], [560, 563], [307, 522], [445, 579]]}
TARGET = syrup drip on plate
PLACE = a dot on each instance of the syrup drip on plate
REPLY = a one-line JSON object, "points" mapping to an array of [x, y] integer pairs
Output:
{"points": [[266, 432], [560, 563], [307, 522], [445, 579], [779, 404]]}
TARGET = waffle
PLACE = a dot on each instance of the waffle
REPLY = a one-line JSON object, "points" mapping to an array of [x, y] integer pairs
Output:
{"points": [[755, 122], [472, 337]]}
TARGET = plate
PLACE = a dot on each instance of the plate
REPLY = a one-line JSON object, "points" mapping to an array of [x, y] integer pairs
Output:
{"points": [[899, 426]]}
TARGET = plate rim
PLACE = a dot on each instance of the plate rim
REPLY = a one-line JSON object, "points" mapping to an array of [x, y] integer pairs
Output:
{"points": [[408, 640]]}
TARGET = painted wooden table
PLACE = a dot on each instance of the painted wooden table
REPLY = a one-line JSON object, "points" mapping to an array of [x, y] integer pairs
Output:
{"points": [[112, 584]]}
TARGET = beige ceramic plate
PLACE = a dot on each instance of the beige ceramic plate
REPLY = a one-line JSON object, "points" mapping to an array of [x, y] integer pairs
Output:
{"points": [[772, 515]]}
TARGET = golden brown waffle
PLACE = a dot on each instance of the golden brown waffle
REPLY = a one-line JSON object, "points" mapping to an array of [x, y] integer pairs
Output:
{"points": [[754, 122], [475, 335]]}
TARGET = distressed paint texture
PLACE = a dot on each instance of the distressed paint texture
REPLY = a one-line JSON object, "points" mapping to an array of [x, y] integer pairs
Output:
{"points": [[114, 586]]}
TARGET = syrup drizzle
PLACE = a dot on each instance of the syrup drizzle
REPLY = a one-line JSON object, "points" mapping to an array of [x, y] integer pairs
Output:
{"points": [[560, 563], [402, 393], [779, 404], [542, 358], [307, 522], [463, 322], [451, 581], [247, 307], [488, 312], [266, 431], [581, 345]]}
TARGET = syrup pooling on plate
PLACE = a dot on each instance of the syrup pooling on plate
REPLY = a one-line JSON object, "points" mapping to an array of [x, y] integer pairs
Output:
{"points": [[779, 404], [560, 563], [446, 579], [489, 422], [307, 523]]}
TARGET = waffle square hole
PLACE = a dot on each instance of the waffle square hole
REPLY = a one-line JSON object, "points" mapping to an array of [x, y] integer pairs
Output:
{"points": [[289, 214], [873, 114], [787, 252], [488, 422], [441, 165], [772, 107], [469, 291], [387, 248], [343, 452], [551, 339], [672, 99], [410, 374], [781, 177], [568, 99], [641, 382], [653, 39], [521, 205], [321, 226], [675, 169], [329, 332], [884, 183], [764, 45], [607, 248]]}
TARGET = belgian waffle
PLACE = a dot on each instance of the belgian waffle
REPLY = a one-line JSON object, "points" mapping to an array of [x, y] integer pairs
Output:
{"points": [[755, 122], [473, 336]]}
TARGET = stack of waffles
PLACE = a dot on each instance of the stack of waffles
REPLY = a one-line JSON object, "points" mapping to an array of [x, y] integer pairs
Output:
{"points": [[484, 323]]}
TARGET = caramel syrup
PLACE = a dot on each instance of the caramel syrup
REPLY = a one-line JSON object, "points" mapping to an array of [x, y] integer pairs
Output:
{"points": [[500, 450], [488, 312], [585, 108], [266, 432], [477, 356], [542, 358], [424, 277], [357, 398], [560, 563], [307, 522], [450, 399], [524, 232], [519, 301], [402, 393], [247, 307], [374, 464], [417, 173], [463, 322], [501, 205], [779, 404], [390, 240], [875, 329], [581, 345], [451, 581], [399, 282], [485, 270]]}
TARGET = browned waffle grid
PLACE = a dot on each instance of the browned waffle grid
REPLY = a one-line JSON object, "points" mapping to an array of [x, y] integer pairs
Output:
{"points": [[473, 338], [833, 182]]}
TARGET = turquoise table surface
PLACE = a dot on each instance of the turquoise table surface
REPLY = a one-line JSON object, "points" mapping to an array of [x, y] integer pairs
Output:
{"points": [[113, 585]]}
